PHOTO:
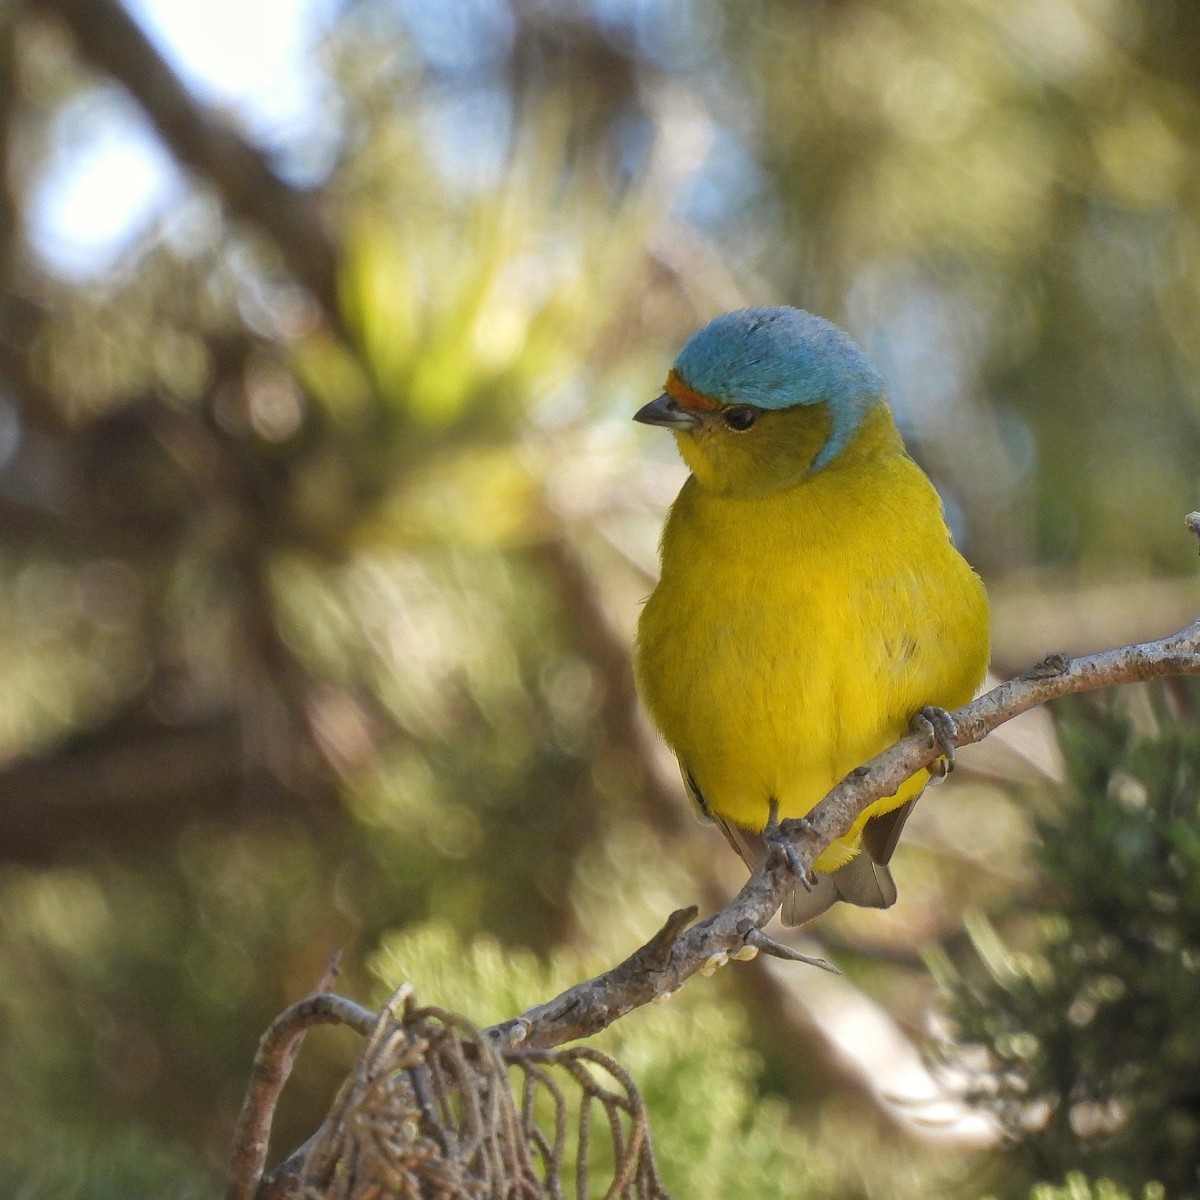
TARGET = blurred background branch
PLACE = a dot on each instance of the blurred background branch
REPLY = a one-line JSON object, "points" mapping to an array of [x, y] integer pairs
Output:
{"points": [[111, 41]]}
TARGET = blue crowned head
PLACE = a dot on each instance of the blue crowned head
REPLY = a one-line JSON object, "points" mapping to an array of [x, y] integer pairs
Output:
{"points": [[779, 358]]}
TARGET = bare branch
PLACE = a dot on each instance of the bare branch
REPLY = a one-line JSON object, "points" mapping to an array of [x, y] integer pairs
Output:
{"points": [[590, 1006], [757, 940]]}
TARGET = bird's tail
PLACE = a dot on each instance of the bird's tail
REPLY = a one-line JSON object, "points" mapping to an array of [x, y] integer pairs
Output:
{"points": [[865, 880], [861, 881]]}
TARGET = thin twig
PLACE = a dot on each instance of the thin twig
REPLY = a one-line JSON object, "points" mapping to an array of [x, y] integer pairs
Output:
{"points": [[768, 945]]}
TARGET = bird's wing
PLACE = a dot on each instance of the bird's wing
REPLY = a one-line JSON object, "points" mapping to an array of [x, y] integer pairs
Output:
{"points": [[864, 881], [861, 882], [802, 904], [750, 847], [747, 846]]}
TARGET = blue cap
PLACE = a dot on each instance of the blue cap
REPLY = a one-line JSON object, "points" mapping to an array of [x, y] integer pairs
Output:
{"points": [[779, 358]]}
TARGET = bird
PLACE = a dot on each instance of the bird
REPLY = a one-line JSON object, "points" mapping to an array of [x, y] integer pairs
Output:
{"points": [[811, 601]]}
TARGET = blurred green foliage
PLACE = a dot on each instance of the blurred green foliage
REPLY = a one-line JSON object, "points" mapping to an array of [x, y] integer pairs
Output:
{"points": [[1084, 1010], [315, 595], [61, 1167], [1077, 1187]]}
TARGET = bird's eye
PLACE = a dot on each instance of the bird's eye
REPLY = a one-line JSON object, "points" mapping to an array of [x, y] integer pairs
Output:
{"points": [[741, 417]]}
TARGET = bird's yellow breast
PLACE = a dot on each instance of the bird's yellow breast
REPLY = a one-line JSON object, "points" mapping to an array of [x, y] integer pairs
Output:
{"points": [[794, 635]]}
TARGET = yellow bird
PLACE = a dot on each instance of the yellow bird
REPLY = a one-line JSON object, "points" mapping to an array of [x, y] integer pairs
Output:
{"points": [[811, 600]]}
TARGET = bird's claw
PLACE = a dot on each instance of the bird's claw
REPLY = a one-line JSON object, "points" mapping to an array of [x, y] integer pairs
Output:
{"points": [[777, 839], [939, 727]]}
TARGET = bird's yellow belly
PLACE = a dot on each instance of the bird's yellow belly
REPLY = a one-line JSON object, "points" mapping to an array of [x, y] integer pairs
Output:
{"points": [[774, 664]]}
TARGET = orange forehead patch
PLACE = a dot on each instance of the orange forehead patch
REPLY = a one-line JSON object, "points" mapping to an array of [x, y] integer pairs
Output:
{"points": [[685, 396]]}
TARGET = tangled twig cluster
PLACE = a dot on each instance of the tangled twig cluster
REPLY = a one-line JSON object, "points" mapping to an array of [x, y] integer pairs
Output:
{"points": [[435, 1110]]}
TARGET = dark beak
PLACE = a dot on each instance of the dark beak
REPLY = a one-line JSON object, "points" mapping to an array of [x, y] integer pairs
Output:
{"points": [[664, 411]]}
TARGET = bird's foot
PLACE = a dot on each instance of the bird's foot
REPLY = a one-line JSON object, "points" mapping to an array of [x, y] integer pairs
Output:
{"points": [[777, 840], [938, 725]]}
